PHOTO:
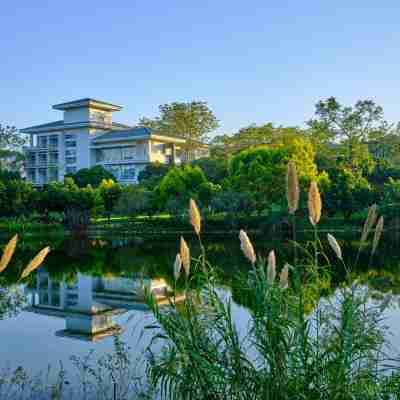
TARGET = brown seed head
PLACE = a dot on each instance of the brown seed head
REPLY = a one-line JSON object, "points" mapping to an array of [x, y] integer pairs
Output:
{"points": [[247, 247], [185, 256], [284, 277], [378, 234], [177, 266], [8, 253], [271, 270], [293, 191], [314, 203], [35, 262], [195, 218], [369, 222], [335, 246]]}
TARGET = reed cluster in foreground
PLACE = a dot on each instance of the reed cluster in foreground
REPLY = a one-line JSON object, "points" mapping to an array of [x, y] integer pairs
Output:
{"points": [[284, 351]]}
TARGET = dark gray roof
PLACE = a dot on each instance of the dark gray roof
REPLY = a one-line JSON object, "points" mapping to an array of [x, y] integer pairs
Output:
{"points": [[86, 102], [60, 124], [124, 134]]}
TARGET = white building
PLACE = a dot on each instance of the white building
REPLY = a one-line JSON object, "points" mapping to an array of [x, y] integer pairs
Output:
{"points": [[87, 136]]}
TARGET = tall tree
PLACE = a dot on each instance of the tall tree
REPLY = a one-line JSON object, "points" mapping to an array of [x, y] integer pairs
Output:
{"points": [[192, 121], [11, 141], [352, 127]]}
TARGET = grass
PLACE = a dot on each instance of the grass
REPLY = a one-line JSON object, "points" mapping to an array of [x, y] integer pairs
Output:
{"points": [[296, 345]]}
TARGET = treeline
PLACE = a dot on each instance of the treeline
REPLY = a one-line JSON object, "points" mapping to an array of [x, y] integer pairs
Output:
{"points": [[351, 151]]}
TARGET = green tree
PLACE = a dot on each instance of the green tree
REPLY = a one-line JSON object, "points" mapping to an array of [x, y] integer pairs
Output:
{"points": [[91, 176], [350, 126], [135, 200], [192, 121], [180, 184], [262, 171], [347, 192], [11, 138], [109, 192], [152, 174], [215, 169]]}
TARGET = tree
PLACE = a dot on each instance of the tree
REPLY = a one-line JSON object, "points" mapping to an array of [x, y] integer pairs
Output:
{"points": [[10, 138], [215, 169], [350, 126], [192, 121], [180, 184], [135, 200], [91, 176], [110, 192], [261, 171], [347, 192], [152, 174]]}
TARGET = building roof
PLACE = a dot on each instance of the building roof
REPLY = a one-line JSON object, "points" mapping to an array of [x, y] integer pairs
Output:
{"points": [[87, 102], [57, 125], [136, 132]]}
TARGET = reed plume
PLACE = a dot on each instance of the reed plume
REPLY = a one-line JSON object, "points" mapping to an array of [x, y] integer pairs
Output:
{"points": [[8, 253], [284, 277], [369, 222], [35, 262], [271, 270], [314, 203], [293, 190], [185, 256], [378, 234], [335, 246], [247, 247], [195, 218], [177, 266]]}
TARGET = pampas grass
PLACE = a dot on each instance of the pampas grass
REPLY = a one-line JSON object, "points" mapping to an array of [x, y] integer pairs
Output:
{"points": [[271, 269], [378, 234], [185, 256], [284, 277], [177, 266], [195, 218], [293, 190], [35, 262], [314, 204], [247, 247], [335, 246], [369, 222], [8, 253]]}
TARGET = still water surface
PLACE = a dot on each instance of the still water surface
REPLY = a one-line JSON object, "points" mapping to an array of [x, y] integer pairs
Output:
{"points": [[89, 290]]}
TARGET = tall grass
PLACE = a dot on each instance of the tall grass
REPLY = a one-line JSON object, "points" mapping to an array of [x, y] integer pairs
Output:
{"points": [[335, 349]]}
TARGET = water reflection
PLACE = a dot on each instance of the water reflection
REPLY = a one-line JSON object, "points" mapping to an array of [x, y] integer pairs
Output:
{"points": [[90, 304]]}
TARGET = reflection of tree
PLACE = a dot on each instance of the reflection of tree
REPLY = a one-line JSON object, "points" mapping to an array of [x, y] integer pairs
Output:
{"points": [[12, 301]]}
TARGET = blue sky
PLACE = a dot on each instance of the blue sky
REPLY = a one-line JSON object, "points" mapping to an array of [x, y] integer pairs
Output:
{"points": [[252, 61]]}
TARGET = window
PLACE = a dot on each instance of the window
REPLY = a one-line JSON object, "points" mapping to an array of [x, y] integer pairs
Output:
{"points": [[70, 156], [116, 154], [53, 174], [158, 148], [42, 159], [31, 175], [31, 159], [53, 158], [70, 170], [70, 140], [122, 172], [53, 141], [42, 175], [42, 141]]}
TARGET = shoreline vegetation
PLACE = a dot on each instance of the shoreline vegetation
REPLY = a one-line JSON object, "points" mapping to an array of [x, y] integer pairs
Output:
{"points": [[298, 344]]}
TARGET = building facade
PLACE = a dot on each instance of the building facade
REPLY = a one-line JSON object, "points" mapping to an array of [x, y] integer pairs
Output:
{"points": [[87, 136]]}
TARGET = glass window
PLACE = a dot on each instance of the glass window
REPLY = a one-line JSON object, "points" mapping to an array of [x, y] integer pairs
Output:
{"points": [[53, 174], [70, 160], [31, 175], [128, 153], [53, 158], [42, 175], [70, 140], [43, 158], [53, 141], [42, 141], [70, 170]]}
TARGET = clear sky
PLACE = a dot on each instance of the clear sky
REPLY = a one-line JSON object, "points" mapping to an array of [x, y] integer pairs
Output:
{"points": [[252, 61]]}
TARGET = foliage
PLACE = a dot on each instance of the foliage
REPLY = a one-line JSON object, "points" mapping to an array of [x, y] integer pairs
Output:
{"points": [[135, 200], [109, 191], [192, 121], [91, 176], [152, 174], [180, 183], [346, 192], [11, 138], [262, 171], [16, 197], [215, 169]]}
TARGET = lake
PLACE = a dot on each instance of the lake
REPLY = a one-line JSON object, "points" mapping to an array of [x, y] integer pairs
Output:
{"points": [[89, 290]]}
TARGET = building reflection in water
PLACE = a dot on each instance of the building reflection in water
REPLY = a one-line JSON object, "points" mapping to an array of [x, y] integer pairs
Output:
{"points": [[90, 304]]}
